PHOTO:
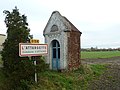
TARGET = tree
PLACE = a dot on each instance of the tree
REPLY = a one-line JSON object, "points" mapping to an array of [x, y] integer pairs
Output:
{"points": [[16, 68]]}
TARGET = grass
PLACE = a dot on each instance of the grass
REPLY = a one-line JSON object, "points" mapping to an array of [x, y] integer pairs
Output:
{"points": [[75, 80], [2, 77], [98, 69], [100, 54], [1, 59]]}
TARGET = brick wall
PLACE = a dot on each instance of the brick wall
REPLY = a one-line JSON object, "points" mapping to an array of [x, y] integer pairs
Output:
{"points": [[73, 50]]}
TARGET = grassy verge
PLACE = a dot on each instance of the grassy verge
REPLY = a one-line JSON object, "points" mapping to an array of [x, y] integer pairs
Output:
{"points": [[76, 80], [100, 54]]}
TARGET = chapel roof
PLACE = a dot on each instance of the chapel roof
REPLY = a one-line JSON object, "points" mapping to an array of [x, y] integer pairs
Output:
{"points": [[65, 21]]}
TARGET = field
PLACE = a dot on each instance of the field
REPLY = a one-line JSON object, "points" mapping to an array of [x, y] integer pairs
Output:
{"points": [[52, 80], [110, 80], [95, 54], [95, 76], [100, 54]]}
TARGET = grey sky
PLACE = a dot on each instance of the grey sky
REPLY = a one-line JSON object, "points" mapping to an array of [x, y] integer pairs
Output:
{"points": [[98, 20]]}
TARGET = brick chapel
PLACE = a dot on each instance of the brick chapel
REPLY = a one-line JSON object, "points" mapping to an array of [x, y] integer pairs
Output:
{"points": [[63, 40]]}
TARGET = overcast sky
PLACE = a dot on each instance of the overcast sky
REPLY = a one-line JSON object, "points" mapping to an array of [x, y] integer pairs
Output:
{"points": [[98, 20]]}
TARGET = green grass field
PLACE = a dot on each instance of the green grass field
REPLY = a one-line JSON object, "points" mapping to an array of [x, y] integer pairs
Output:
{"points": [[100, 54]]}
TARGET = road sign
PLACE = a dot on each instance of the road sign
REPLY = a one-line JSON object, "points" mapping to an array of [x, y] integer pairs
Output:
{"points": [[27, 49], [34, 41]]}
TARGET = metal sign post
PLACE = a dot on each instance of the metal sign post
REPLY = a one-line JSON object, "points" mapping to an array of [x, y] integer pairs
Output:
{"points": [[27, 49], [35, 72], [35, 69]]}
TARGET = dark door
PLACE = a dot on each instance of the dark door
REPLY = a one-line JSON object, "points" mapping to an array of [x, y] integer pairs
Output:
{"points": [[55, 55]]}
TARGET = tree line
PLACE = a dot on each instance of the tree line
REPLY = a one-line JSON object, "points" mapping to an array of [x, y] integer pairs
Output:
{"points": [[100, 49]]}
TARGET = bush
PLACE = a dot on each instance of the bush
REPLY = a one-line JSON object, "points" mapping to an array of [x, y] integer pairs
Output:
{"points": [[41, 65], [16, 69]]}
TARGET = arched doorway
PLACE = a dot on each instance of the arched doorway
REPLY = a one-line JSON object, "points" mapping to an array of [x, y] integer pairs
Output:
{"points": [[55, 55]]}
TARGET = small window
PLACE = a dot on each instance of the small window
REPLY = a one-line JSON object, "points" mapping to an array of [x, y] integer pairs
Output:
{"points": [[54, 43], [54, 28]]}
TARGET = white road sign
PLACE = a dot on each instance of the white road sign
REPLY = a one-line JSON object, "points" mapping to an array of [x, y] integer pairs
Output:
{"points": [[27, 49]]}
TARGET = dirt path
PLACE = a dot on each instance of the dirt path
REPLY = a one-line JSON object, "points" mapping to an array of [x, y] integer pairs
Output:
{"points": [[110, 80]]}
